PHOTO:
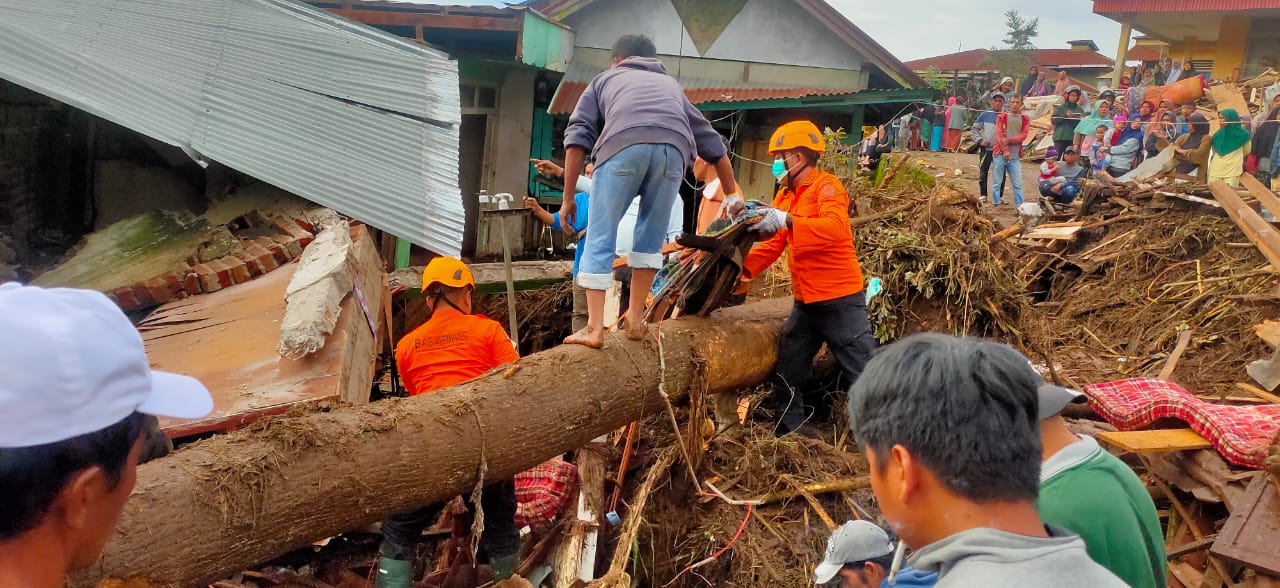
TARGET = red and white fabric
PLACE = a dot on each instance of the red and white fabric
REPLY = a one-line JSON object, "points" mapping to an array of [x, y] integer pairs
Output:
{"points": [[1241, 434], [544, 491]]}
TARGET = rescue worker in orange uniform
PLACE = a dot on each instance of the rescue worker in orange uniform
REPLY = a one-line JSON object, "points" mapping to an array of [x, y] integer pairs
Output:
{"points": [[453, 346], [810, 215]]}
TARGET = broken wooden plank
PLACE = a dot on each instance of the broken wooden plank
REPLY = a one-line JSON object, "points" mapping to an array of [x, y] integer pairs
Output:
{"points": [[1183, 339], [228, 339], [491, 277], [1261, 232], [1228, 96], [1186, 574], [1252, 531], [1259, 392], [1156, 440], [1052, 233], [1269, 332], [1266, 198]]}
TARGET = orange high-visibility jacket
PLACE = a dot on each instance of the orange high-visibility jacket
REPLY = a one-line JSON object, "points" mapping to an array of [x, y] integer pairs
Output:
{"points": [[451, 348], [824, 263]]}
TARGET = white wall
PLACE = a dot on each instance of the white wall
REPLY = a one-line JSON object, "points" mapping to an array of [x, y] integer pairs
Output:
{"points": [[765, 31]]}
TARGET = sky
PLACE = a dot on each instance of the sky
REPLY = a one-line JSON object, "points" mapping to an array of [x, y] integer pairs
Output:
{"points": [[917, 29]]}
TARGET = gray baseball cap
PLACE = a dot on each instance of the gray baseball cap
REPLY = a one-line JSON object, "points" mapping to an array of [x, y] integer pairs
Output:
{"points": [[1053, 399], [854, 541]]}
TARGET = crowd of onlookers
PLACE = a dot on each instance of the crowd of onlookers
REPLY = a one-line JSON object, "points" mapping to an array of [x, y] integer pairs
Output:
{"points": [[1108, 134]]}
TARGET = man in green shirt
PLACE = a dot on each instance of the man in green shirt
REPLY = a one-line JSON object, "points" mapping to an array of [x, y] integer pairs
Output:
{"points": [[1088, 491]]}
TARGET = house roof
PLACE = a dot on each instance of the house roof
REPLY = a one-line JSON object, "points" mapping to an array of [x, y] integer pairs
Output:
{"points": [[182, 73], [699, 90], [1142, 53], [974, 60], [838, 23], [1140, 6]]}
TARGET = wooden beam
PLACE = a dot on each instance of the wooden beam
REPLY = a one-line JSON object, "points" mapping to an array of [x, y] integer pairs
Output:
{"points": [[1259, 231], [430, 21], [1266, 197], [1156, 440]]}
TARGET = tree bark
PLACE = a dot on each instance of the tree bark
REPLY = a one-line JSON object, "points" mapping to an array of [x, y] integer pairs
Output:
{"points": [[228, 503]]}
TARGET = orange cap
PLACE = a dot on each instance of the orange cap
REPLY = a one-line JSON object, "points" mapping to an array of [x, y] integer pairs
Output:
{"points": [[449, 271], [799, 133]]}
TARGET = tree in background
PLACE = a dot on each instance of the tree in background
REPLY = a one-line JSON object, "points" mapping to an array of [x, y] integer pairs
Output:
{"points": [[937, 79], [1015, 57]]}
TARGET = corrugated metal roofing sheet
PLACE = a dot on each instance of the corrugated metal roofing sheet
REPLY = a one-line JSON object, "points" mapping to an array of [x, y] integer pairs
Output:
{"points": [[344, 115], [699, 90]]}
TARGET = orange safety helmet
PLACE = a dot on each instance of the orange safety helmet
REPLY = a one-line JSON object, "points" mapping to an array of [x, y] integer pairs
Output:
{"points": [[449, 271], [800, 133]]}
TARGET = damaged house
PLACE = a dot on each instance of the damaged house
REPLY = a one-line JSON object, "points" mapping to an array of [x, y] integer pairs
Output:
{"points": [[182, 154]]}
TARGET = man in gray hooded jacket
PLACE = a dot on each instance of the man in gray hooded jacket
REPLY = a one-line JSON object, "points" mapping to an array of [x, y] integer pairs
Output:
{"points": [[642, 132], [950, 427]]}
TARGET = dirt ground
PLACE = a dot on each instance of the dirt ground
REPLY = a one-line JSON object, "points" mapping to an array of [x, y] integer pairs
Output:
{"points": [[946, 163]]}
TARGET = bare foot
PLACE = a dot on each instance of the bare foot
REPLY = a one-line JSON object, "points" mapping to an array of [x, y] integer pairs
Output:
{"points": [[588, 337], [637, 331]]}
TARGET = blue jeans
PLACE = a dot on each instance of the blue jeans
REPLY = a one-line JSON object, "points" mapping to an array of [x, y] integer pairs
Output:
{"points": [[1064, 195], [654, 172], [998, 167]]}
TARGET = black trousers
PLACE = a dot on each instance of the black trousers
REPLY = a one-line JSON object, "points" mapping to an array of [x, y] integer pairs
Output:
{"points": [[841, 324], [401, 533], [984, 171], [1061, 147]]}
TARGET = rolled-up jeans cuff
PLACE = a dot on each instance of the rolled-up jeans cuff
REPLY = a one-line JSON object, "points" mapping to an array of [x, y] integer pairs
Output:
{"points": [[595, 281], [644, 260]]}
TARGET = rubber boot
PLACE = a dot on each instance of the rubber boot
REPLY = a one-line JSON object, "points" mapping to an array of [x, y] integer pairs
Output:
{"points": [[503, 566], [393, 573]]}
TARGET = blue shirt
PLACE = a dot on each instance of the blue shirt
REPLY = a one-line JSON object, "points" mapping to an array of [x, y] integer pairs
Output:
{"points": [[909, 577], [579, 225]]}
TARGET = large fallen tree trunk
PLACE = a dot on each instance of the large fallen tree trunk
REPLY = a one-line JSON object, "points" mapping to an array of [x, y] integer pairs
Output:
{"points": [[227, 503]]}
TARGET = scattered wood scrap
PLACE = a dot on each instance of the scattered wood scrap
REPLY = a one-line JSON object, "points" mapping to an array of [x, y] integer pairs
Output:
{"points": [[1156, 440]]}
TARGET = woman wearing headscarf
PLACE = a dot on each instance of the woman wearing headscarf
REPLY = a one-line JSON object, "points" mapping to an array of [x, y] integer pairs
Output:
{"points": [[1146, 111], [1061, 85], [1191, 150], [1065, 118], [1126, 146], [1264, 144], [1101, 117], [1040, 87], [1175, 71], [956, 114], [1162, 130], [1230, 146], [1032, 75], [1258, 121]]}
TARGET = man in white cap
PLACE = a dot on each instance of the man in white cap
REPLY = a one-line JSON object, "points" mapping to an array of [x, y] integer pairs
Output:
{"points": [[860, 555], [1090, 492], [75, 394]]}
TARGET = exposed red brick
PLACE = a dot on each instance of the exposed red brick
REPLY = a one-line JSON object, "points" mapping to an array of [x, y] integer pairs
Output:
{"points": [[263, 257], [208, 276], [160, 290], [125, 298], [294, 230], [143, 296], [250, 264], [293, 245], [305, 224], [190, 283]]}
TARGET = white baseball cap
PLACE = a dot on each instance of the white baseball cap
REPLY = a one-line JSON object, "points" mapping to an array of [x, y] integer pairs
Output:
{"points": [[71, 363], [854, 541]]}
